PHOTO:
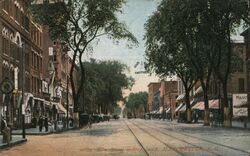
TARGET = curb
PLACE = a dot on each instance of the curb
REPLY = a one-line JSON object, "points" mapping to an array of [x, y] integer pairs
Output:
{"points": [[48, 133], [5, 145]]}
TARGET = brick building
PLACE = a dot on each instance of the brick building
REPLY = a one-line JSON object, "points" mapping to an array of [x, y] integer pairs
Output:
{"points": [[153, 87], [19, 34]]}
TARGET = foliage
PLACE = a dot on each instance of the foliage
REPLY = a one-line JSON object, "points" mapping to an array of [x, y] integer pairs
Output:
{"points": [[197, 36], [104, 83], [136, 100], [77, 23]]}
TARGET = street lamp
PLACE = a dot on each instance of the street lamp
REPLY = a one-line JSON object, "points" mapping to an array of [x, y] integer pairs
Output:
{"points": [[23, 90], [67, 76]]}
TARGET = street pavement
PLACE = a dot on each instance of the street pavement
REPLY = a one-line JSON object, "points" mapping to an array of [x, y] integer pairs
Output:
{"points": [[138, 137]]}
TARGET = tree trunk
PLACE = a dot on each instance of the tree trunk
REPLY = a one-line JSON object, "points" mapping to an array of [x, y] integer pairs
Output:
{"points": [[227, 116], [206, 108], [134, 113], [188, 106]]}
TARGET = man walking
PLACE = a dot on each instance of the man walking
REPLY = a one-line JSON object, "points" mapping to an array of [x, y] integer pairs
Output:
{"points": [[40, 123], [46, 123]]}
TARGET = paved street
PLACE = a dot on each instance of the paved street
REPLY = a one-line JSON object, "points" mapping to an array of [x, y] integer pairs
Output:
{"points": [[138, 137]]}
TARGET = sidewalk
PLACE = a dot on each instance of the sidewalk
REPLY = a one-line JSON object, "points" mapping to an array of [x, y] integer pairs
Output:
{"points": [[16, 139], [35, 131]]}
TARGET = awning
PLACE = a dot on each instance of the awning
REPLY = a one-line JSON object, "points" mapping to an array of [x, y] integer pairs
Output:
{"points": [[59, 107], [199, 105], [168, 110], [47, 102], [39, 99], [26, 99], [180, 97], [183, 109], [213, 104], [179, 107], [198, 91]]}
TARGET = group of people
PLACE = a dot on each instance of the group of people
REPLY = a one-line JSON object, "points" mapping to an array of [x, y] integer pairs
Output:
{"points": [[43, 121]]}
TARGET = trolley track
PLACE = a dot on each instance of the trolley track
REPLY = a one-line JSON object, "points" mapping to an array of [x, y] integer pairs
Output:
{"points": [[138, 141], [198, 138], [173, 148]]}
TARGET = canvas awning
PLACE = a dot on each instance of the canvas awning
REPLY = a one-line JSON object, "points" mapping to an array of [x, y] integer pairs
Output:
{"points": [[180, 97], [213, 104], [27, 96], [168, 110], [183, 109], [199, 106], [179, 107], [39, 99], [59, 107], [198, 91]]}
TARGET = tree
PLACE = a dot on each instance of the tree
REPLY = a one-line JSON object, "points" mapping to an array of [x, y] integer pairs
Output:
{"points": [[176, 30], [104, 83], [77, 23], [168, 57], [218, 20], [137, 100], [202, 29]]}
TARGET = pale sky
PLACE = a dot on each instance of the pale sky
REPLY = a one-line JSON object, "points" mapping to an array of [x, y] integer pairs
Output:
{"points": [[135, 14]]}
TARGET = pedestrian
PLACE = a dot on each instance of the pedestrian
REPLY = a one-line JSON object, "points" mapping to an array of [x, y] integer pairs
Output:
{"points": [[3, 124], [34, 122], [40, 123], [90, 121], [46, 123], [196, 117]]}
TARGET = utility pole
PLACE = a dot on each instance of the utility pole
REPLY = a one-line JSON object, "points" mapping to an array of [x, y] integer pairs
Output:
{"points": [[23, 90], [67, 94]]}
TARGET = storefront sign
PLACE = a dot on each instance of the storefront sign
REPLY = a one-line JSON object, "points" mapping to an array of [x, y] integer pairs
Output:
{"points": [[13, 37], [239, 99]]}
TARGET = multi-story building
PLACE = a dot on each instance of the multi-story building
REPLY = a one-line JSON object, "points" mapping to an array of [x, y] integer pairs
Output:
{"points": [[162, 96], [57, 87], [20, 35], [46, 67], [153, 87], [169, 93]]}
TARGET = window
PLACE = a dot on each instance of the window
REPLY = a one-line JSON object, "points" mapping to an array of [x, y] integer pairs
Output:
{"points": [[6, 5], [241, 85], [26, 23], [12, 50]]}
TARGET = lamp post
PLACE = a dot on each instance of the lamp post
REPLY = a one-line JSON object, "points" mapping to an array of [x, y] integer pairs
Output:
{"points": [[67, 95], [23, 90]]}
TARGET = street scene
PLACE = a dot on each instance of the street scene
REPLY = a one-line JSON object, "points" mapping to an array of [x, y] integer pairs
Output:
{"points": [[124, 77], [137, 137]]}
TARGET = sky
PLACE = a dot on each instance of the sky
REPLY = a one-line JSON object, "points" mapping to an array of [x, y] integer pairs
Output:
{"points": [[135, 15]]}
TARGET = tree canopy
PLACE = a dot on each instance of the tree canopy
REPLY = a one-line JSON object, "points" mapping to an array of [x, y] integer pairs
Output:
{"points": [[195, 35], [137, 100], [104, 84], [77, 23]]}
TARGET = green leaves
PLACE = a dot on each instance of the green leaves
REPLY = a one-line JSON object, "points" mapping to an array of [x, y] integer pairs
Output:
{"points": [[105, 81], [136, 100]]}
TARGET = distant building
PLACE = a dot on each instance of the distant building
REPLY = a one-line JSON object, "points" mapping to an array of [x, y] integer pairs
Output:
{"points": [[153, 87]]}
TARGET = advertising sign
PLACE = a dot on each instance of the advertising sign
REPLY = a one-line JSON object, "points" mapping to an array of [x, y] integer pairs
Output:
{"points": [[238, 100]]}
